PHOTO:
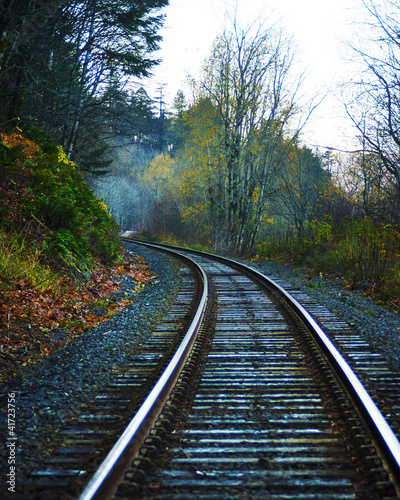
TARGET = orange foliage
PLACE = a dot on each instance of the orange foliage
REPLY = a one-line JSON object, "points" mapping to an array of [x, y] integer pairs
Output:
{"points": [[29, 148], [32, 322]]}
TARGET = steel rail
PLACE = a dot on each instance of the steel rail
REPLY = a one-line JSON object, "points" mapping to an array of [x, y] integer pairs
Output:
{"points": [[385, 440], [384, 437], [103, 483]]}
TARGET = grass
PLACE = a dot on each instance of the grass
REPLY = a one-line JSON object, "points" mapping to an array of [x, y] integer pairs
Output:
{"points": [[20, 261]]}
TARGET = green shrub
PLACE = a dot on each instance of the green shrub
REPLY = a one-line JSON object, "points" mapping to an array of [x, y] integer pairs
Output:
{"points": [[320, 233], [61, 246], [73, 228], [80, 223], [284, 249], [362, 251]]}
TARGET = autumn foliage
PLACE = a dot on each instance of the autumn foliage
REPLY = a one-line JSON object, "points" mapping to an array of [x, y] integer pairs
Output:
{"points": [[60, 256]]}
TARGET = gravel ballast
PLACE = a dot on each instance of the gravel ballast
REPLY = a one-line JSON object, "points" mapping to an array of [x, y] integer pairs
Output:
{"points": [[378, 326], [47, 393]]}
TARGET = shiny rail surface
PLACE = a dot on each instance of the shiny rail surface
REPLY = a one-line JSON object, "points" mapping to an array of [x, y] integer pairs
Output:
{"points": [[85, 438], [251, 415], [102, 484], [383, 437]]}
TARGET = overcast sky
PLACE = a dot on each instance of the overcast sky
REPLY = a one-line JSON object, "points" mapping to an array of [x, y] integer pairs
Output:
{"points": [[319, 28]]}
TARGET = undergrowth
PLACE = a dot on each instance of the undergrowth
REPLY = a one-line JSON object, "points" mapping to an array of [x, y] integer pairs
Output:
{"points": [[60, 254], [362, 252], [46, 203], [171, 239], [21, 261]]}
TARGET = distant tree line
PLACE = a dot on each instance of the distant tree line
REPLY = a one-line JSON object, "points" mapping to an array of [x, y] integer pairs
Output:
{"points": [[228, 167], [238, 172], [237, 163]]}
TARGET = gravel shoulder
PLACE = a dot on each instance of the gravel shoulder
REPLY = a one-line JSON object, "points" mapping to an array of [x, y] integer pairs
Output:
{"points": [[49, 392], [378, 326]]}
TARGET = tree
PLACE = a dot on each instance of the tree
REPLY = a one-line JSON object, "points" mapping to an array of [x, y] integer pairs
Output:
{"points": [[21, 21], [247, 80], [371, 188], [175, 124], [375, 105], [301, 183], [112, 41], [67, 69], [201, 170], [145, 124], [160, 176], [128, 199], [180, 103]]}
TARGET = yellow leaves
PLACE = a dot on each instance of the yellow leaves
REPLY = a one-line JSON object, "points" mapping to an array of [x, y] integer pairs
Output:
{"points": [[103, 206], [62, 157], [193, 212], [160, 174], [256, 195], [267, 220]]}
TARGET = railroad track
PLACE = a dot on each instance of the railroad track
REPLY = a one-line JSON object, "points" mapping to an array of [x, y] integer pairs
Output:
{"points": [[258, 406]]}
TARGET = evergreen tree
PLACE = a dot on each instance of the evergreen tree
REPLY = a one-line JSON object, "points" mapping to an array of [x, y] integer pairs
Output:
{"points": [[57, 61]]}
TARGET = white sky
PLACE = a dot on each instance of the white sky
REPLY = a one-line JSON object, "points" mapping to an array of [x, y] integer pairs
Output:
{"points": [[317, 26]]}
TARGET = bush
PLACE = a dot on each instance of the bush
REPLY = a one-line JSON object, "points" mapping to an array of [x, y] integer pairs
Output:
{"points": [[368, 250], [320, 233], [49, 192], [362, 251], [281, 248]]}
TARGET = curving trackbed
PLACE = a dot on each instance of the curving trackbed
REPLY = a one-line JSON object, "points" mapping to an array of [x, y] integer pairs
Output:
{"points": [[268, 418], [252, 408]]}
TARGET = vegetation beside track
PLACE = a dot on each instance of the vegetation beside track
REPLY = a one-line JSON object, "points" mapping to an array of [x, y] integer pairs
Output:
{"points": [[365, 254], [362, 254], [61, 259]]}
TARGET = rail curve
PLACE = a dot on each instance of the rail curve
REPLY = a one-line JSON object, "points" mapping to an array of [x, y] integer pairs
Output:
{"points": [[128, 445], [383, 437], [255, 401]]}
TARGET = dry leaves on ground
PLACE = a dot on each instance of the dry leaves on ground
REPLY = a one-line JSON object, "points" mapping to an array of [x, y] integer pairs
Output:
{"points": [[35, 323]]}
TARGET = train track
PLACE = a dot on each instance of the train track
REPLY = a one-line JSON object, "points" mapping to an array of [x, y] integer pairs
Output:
{"points": [[258, 403]]}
